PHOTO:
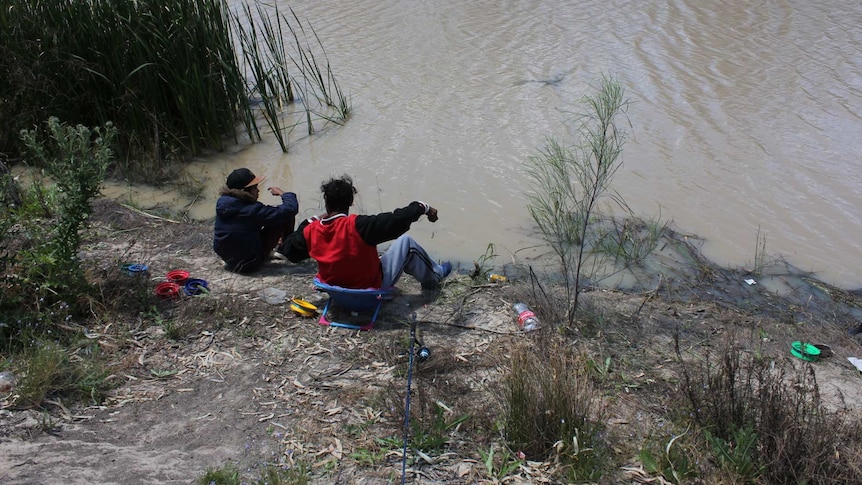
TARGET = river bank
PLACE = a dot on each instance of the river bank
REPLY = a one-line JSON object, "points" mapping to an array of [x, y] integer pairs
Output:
{"points": [[228, 379]]}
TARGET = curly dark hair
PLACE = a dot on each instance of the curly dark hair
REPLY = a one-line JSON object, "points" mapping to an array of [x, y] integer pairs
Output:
{"points": [[338, 193]]}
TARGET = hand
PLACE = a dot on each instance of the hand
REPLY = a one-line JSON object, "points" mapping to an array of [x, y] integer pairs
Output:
{"points": [[275, 191], [432, 214]]}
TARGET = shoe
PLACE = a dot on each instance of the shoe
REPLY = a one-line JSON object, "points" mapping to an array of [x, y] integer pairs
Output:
{"points": [[275, 254], [447, 268]]}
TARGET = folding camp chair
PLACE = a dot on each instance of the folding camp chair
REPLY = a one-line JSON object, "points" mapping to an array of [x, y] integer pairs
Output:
{"points": [[353, 300]]}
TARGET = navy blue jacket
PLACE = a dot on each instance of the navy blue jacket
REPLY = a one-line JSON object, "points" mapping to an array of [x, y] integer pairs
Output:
{"points": [[239, 220]]}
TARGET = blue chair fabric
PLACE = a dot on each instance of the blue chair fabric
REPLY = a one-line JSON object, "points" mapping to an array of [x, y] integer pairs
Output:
{"points": [[354, 300]]}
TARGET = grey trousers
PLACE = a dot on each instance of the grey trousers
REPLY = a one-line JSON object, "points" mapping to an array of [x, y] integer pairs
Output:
{"points": [[405, 255]]}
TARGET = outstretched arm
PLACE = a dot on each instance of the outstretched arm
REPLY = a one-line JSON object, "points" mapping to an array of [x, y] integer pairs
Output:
{"points": [[387, 226]]}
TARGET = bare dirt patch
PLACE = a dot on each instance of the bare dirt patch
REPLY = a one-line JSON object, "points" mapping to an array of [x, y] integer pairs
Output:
{"points": [[230, 379]]}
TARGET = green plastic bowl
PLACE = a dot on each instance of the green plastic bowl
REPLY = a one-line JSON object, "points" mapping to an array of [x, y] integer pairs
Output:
{"points": [[805, 351]]}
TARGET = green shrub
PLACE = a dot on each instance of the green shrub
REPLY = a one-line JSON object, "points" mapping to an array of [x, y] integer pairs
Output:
{"points": [[498, 467], [431, 434], [569, 182], [44, 283], [75, 159]]}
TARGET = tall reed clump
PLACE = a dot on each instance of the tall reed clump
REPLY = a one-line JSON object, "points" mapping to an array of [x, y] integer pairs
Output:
{"points": [[161, 70], [551, 410], [268, 60], [763, 421], [170, 73], [569, 183]]}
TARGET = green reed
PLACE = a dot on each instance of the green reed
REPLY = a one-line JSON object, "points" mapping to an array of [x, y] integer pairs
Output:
{"points": [[279, 76], [175, 76]]}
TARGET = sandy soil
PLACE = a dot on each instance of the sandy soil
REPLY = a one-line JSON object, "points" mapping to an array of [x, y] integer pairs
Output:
{"points": [[252, 384]]}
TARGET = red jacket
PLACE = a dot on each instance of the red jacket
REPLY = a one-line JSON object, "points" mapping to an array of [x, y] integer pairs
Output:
{"points": [[345, 246], [343, 258]]}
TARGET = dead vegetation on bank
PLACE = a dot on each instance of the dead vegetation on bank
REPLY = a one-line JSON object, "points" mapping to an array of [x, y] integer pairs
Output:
{"points": [[642, 390]]}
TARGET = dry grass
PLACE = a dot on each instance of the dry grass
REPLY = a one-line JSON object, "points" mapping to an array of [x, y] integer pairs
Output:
{"points": [[553, 410], [606, 402], [763, 419]]}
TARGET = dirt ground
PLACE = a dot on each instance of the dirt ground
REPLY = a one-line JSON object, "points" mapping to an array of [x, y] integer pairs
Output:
{"points": [[227, 378]]}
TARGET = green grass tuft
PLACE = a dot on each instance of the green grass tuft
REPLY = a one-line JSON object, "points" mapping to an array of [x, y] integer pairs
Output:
{"points": [[551, 409]]}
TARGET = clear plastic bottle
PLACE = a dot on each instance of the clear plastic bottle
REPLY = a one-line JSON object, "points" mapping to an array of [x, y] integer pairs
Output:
{"points": [[527, 320]]}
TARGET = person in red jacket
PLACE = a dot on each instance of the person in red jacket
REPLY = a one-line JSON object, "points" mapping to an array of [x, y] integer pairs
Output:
{"points": [[345, 245]]}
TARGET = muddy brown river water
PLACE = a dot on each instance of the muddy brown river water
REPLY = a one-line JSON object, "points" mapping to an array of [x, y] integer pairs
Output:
{"points": [[745, 116]]}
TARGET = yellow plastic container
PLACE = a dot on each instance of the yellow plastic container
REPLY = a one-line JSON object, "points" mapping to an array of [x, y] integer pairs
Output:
{"points": [[497, 278], [303, 307]]}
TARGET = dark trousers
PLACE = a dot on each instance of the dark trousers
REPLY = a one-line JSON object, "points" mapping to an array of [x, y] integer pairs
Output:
{"points": [[273, 235], [270, 237]]}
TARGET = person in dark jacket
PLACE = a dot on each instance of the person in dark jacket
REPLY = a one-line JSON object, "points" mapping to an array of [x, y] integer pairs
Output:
{"points": [[345, 245], [246, 231]]}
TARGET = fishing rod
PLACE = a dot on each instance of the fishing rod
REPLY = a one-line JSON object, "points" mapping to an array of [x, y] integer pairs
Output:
{"points": [[423, 355]]}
